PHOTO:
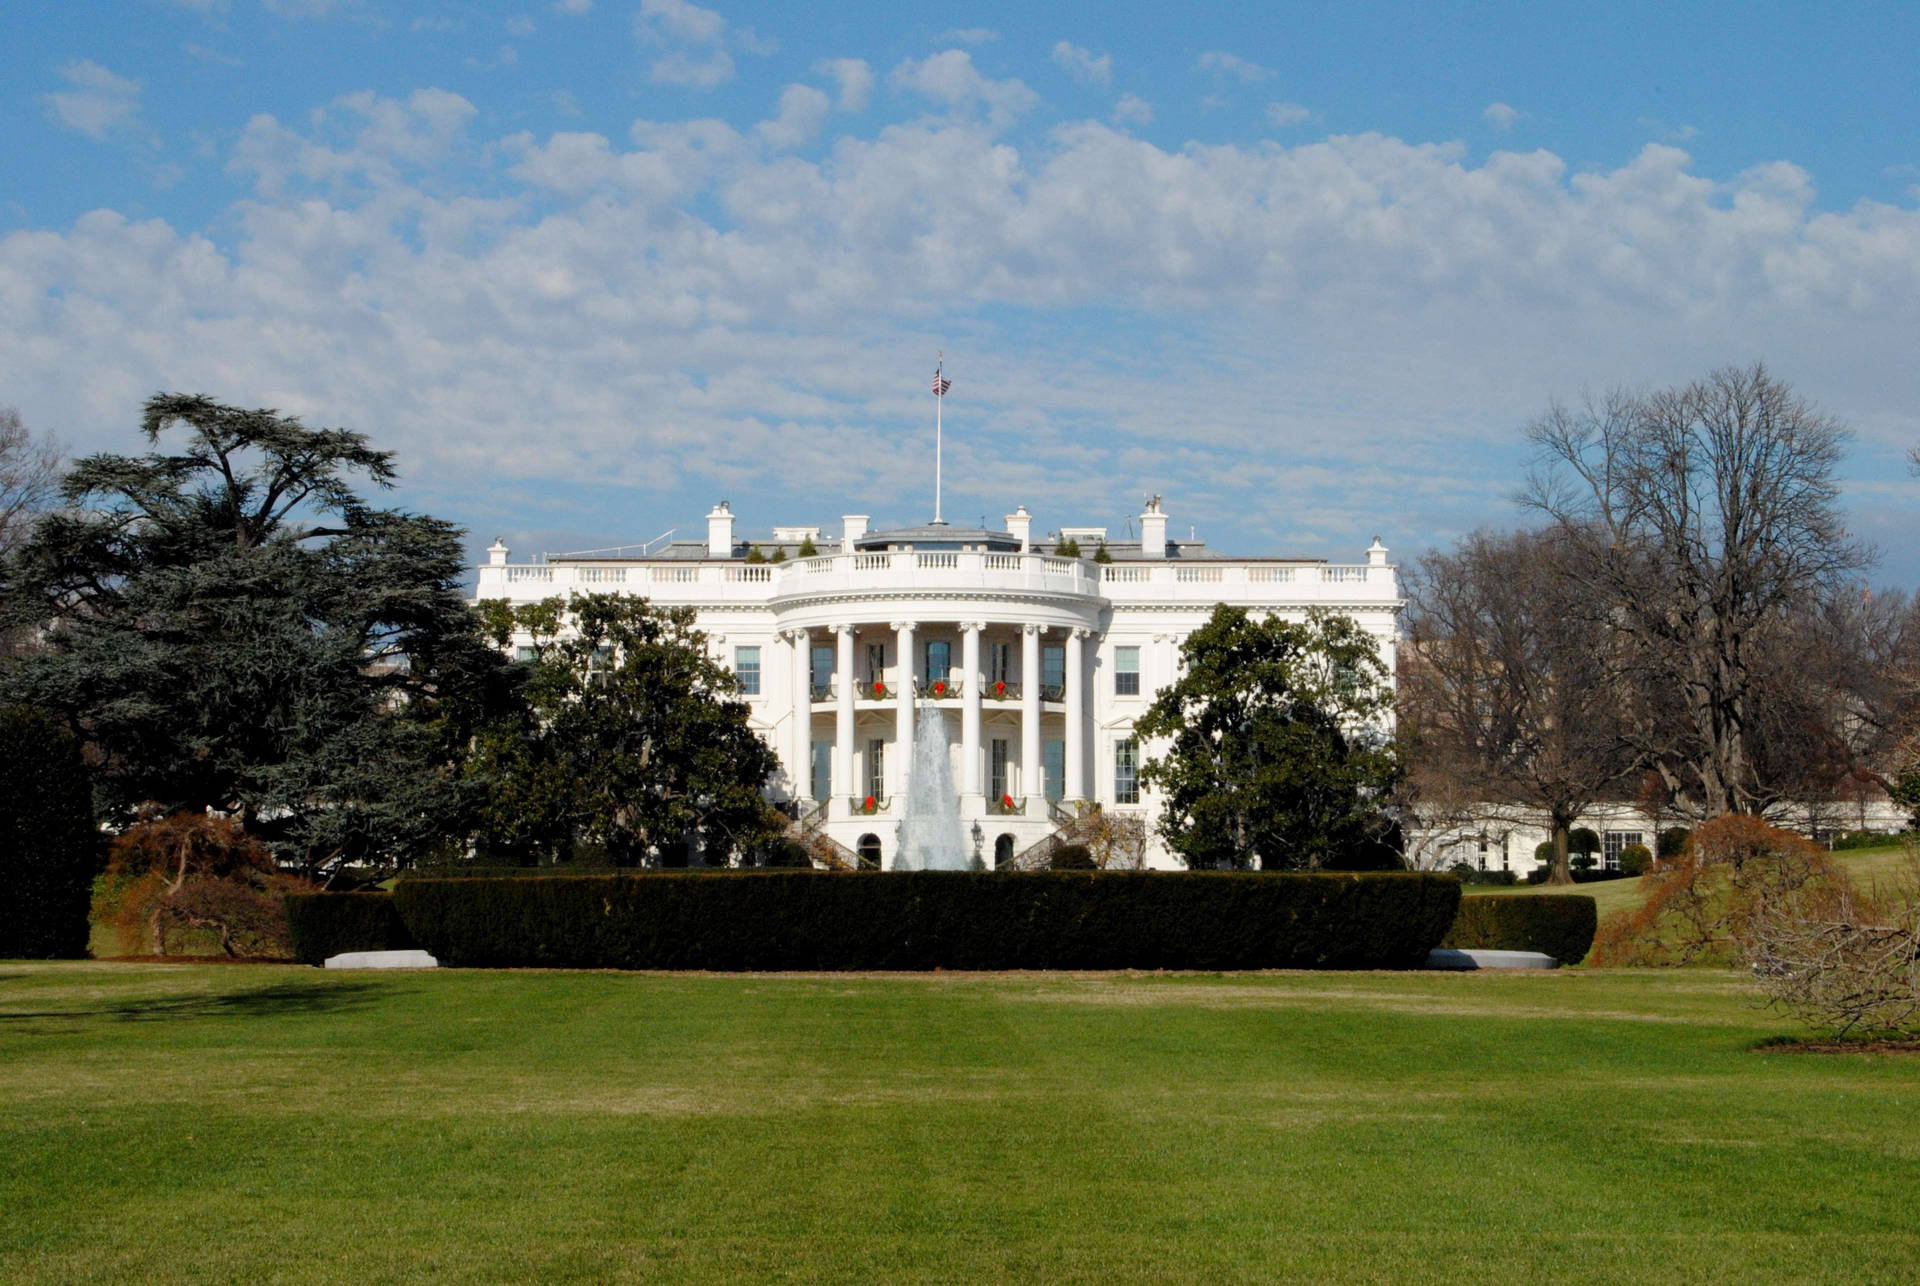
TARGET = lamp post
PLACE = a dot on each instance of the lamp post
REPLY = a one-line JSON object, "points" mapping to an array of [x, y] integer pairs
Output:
{"points": [[979, 838]]}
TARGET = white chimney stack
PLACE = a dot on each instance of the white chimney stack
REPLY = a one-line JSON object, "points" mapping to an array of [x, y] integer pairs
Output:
{"points": [[1020, 527], [1153, 530], [1376, 554], [854, 526], [720, 532], [497, 553]]}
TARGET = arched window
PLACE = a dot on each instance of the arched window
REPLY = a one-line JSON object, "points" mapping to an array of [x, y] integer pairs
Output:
{"points": [[869, 851], [1002, 851]]}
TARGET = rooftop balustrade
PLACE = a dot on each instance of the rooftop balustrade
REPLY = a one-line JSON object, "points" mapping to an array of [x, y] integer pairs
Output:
{"points": [[1172, 581]]}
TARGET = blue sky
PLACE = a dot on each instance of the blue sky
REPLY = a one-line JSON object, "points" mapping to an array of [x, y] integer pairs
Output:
{"points": [[1306, 269]]}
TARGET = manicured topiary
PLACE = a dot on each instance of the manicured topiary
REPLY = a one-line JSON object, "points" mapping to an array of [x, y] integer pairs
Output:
{"points": [[1635, 859], [50, 847], [1559, 924], [327, 924], [752, 920]]}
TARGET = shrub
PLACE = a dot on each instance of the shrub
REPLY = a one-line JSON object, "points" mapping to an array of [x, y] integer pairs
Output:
{"points": [[1582, 839], [750, 920], [325, 924], [191, 882], [1559, 924], [1581, 861], [1673, 842], [1846, 840], [1468, 873], [1543, 854], [1072, 857], [50, 849], [1635, 859]]}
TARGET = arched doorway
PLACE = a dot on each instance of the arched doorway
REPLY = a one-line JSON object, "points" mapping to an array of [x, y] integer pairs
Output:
{"points": [[1002, 851], [869, 850]]}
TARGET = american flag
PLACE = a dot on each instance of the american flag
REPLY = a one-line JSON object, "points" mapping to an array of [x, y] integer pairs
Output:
{"points": [[940, 384]]}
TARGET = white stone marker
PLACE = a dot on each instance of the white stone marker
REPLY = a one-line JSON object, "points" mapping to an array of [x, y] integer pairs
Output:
{"points": [[1452, 958], [382, 960]]}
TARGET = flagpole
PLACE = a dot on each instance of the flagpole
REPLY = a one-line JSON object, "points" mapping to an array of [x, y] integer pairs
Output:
{"points": [[939, 402]]}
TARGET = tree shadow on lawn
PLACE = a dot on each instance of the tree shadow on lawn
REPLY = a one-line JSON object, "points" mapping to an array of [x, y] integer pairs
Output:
{"points": [[283, 998]]}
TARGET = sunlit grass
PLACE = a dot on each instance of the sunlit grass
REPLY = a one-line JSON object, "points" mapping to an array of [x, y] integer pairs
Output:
{"points": [[261, 1124]]}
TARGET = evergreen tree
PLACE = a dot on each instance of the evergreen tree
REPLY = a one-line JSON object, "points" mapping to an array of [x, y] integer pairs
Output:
{"points": [[233, 628], [1276, 745]]}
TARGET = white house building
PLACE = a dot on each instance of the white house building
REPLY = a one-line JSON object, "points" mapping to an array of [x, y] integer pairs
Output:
{"points": [[1039, 663]]}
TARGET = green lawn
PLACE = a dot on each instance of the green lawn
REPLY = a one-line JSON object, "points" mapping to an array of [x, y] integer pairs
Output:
{"points": [[264, 1124]]}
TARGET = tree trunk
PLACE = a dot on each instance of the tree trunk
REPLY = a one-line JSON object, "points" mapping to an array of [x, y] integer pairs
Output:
{"points": [[1559, 872]]}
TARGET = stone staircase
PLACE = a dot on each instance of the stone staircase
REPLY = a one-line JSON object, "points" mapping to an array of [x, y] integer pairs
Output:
{"points": [[1070, 826], [821, 847]]}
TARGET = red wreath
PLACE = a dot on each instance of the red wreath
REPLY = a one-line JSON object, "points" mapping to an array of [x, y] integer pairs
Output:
{"points": [[1000, 688], [879, 688], [939, 687], [868, 806], [1006, 802]]}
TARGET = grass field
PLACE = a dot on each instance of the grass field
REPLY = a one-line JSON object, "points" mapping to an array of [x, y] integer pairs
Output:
{"points": [[266, 1124]]}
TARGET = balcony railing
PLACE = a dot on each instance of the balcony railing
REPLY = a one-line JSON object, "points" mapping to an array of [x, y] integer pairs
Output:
{"points": [[937, 689], [1053, 692], [824, 691], [1007, 806]]}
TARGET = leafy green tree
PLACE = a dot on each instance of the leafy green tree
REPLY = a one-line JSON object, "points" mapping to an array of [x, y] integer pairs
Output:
{"points": [[1068, 548], [807, 548], [50, 848], [1276, 741], [232, 628], [633, 743]]}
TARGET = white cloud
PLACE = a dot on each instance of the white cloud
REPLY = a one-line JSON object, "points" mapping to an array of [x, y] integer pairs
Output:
{"points": [[966, 36], [1285, 114], [520, 26], [1082, 65], [679, 20], [1501, 116], [1133, 110], [98, 102], [803, 110], [203, 54], [1295, 340], [707, 71], [952, 79], [307, 8], [1668, 133], [854, 78], [573, 6], [750, 42], [1226, 64]]}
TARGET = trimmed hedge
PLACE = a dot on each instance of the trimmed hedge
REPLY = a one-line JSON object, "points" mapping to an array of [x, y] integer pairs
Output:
{"points": [[50, 849], [326, 924], [926, 920], [1559, 924]]}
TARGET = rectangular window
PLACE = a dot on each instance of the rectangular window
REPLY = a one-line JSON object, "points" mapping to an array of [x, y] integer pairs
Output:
{"points": [[525, 654], [600, 664], [1053, 760], [877, 768], [746, 668], [999, 663], [1126, 672], [1126, 771], [1053, 671], [876, 663], [822, 671], [996, 769], [822, 769], [939, 661], [1614, 841]]}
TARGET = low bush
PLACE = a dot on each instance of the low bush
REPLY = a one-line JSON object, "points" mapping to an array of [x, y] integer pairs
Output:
{"points": [[192, 884], [755, 920], [1560, 924], [1846, 840], [1468, 873], [1635, 859], [1673, 842], [326, 924], [1539, 874]]}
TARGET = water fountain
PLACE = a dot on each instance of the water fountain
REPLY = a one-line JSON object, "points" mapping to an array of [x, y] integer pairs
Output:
{"points": [[930, 834]]}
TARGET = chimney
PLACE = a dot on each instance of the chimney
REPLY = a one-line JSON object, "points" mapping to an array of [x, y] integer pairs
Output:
{"points": [[497, 553], [1153, 530], [720, 532], [853, 526], [1020, 526], [1376, 554]]}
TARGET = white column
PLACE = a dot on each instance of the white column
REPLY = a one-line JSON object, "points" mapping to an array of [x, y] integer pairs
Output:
{"points": [[801, 685], [1076, 714], [970, 708], [1033, 778], [903, 707], [843, 788]]}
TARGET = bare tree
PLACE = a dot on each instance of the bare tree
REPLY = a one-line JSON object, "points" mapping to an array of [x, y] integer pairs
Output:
{"points": [[1699, 518], [29, 477], [1508, 700]]}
